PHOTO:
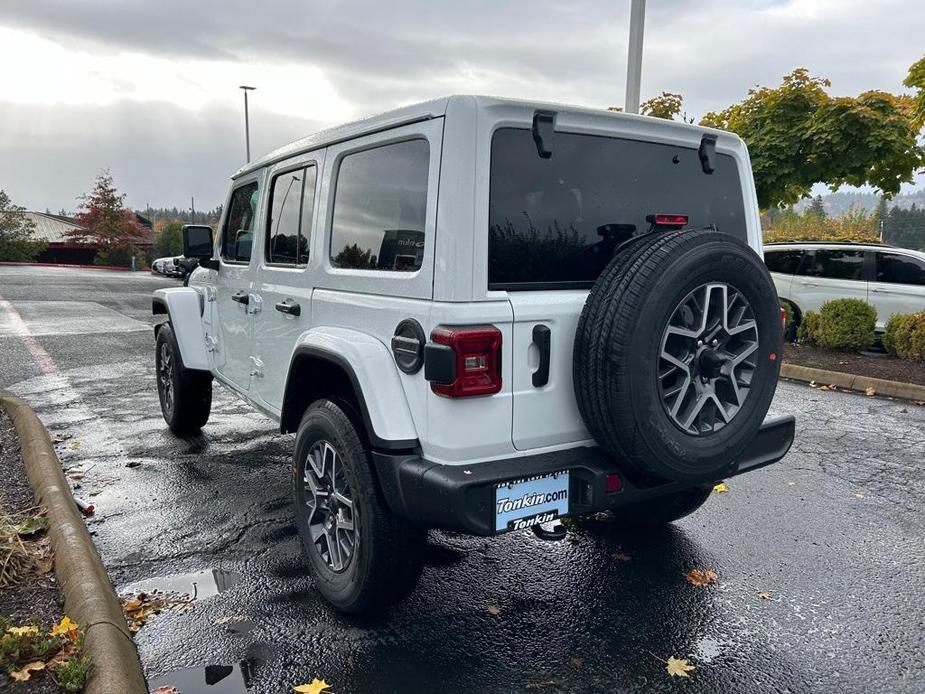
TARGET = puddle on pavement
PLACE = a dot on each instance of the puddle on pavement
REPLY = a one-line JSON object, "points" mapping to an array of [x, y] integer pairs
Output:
{"points": [[212, 679], [198, 585]]}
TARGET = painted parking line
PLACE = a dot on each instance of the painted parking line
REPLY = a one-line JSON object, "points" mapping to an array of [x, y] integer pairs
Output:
{"points": [[13, 324]]}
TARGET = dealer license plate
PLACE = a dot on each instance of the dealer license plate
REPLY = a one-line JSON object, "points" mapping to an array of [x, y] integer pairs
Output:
{"points": [[522, 503]]}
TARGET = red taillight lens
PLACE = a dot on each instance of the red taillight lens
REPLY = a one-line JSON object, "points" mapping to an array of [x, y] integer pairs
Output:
{"points": [[477, 351], [613, 483]]}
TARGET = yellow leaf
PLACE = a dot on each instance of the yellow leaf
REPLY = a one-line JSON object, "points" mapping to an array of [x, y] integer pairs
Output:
{"points": [[678, 667], [720, 488], [65, 626], [701, 577], [870, 391], [23, 631], [764, 595], [316, 687], [493, 610], [23, 674]]}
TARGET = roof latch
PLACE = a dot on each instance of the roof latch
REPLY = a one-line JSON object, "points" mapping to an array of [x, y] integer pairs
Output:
{"points": [[707, 153], [543, 128]]}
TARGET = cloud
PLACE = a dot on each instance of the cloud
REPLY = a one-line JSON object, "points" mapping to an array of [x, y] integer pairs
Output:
{"points": [[172, 67]]}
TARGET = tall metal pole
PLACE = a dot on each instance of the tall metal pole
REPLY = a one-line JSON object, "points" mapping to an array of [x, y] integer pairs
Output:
{"points": [[634, 57], [247, 125]]}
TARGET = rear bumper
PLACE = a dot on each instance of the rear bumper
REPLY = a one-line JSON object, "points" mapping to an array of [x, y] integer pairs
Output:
{"points": [[460, 497]]}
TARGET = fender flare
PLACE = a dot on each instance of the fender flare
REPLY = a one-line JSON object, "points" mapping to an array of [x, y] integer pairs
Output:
{"points": [[183, 307], [371, 370]]}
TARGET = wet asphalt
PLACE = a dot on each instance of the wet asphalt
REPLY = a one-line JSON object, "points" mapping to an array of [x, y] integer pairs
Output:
{"points": [[821, 558]]}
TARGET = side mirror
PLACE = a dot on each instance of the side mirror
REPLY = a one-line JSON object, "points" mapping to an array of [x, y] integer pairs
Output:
{"points": [[197, 243]]}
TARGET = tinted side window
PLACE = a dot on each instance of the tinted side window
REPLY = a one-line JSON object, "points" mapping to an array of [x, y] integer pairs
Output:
{"points": [[785, 262], [380, 204], [900, 269], [837, 264], [238, 232], [292, 198]]}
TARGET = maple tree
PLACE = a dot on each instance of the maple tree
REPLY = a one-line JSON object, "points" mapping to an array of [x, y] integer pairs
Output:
{"points": [[106, 223]]}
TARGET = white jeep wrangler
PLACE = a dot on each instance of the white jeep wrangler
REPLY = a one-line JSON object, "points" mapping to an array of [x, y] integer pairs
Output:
{"points": [[483, 315]]}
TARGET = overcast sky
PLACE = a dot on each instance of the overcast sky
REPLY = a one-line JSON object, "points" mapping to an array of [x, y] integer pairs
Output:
{"points": [[149, 89]]}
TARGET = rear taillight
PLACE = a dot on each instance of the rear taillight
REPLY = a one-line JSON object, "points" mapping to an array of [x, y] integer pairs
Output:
{"points": [[469, 360]]}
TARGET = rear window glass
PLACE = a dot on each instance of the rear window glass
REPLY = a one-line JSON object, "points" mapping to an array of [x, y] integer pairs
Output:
{"points": [[900, 269], [556, 222]]}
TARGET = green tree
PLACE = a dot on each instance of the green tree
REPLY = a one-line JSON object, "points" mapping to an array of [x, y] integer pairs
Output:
{"points": [[798, 136], [353, 257], [107, 223], [168, 238], [667, 105], [916, 80], [817, 208], [17, 241]]}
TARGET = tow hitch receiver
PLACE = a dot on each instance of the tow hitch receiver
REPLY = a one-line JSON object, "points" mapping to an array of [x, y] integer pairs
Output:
{"points": [[554, 535]]}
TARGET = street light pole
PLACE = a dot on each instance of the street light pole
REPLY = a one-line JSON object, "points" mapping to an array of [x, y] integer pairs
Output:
{"points": [[634, 57], [247, 125]]}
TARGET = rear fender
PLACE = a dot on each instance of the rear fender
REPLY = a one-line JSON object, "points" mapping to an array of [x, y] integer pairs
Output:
{"points": [[368, 366], [183, 307]]}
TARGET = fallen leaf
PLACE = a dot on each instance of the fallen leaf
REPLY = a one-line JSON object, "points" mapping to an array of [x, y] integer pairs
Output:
{"points": [[720, 488], [23, 631], [903, 411], [576, 662], [825, 388], [23, 674], [132, 463], [764, 596], [859, 495], [701, 577], [919, 402], [65, 626], [493, 610], [832, 386], [678, 667], [316, 687], [812, 384], [870, 391], [622, 557]]}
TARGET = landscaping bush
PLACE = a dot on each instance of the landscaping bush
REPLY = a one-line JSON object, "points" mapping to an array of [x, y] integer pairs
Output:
{"points": [[809, 327], [905, 336], [846, 324]]}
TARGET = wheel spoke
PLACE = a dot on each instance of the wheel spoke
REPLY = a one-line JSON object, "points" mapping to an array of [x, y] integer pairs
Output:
{"points": [[331, 521]]}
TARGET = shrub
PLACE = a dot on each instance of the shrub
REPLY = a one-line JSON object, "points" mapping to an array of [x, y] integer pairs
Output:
{"points": [[846, 324], [809, 327], [905, 336]]}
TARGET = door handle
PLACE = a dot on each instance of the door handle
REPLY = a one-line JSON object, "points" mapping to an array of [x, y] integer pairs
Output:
{"points": [[289, 307], [541, 338], [809, 284], [242, 297]]}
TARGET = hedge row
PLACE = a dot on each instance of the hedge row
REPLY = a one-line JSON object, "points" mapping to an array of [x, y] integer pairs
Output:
{"points": [[905, 336]]}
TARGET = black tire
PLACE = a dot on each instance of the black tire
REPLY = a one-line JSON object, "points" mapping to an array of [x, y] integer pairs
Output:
{"points": [[664, 509], [185, 394], [618, 347], [385, 560]]}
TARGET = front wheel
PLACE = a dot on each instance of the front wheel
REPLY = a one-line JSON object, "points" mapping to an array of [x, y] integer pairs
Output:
{"points": [[363, 558], [664, 509], [185, 394]]}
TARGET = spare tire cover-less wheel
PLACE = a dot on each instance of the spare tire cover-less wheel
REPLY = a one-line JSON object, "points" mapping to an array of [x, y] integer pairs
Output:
{"points": [[678, 359]]}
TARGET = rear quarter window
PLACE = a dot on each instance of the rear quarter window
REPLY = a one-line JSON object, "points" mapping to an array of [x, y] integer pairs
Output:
{"points": [[555, 223]]}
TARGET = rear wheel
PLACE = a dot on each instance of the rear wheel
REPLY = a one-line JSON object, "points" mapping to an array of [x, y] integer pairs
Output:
{"points": [[185, 394], [363, 557]]}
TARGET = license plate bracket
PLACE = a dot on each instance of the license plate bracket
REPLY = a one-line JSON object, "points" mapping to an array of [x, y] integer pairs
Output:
{"points": [[522, 503]]}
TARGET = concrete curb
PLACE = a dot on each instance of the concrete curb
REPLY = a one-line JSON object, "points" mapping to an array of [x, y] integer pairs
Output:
{"points": [[89, 598], [893, 389]]}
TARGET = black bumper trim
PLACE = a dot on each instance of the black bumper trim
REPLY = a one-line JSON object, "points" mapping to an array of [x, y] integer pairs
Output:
{"points": [[461, 497]]}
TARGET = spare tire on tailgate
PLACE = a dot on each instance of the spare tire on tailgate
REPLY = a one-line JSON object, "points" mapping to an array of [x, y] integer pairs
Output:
{"points": [[677, 354]]}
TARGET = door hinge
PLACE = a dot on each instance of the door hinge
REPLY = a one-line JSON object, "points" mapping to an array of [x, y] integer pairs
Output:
{"points": [[256, 366]]}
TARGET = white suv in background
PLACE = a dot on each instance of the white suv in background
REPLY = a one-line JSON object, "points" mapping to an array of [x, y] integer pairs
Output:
{"points": [[806, 275]]}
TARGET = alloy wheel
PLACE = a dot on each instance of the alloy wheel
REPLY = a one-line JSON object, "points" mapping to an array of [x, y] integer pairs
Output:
{"points": [[330, 506]]}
